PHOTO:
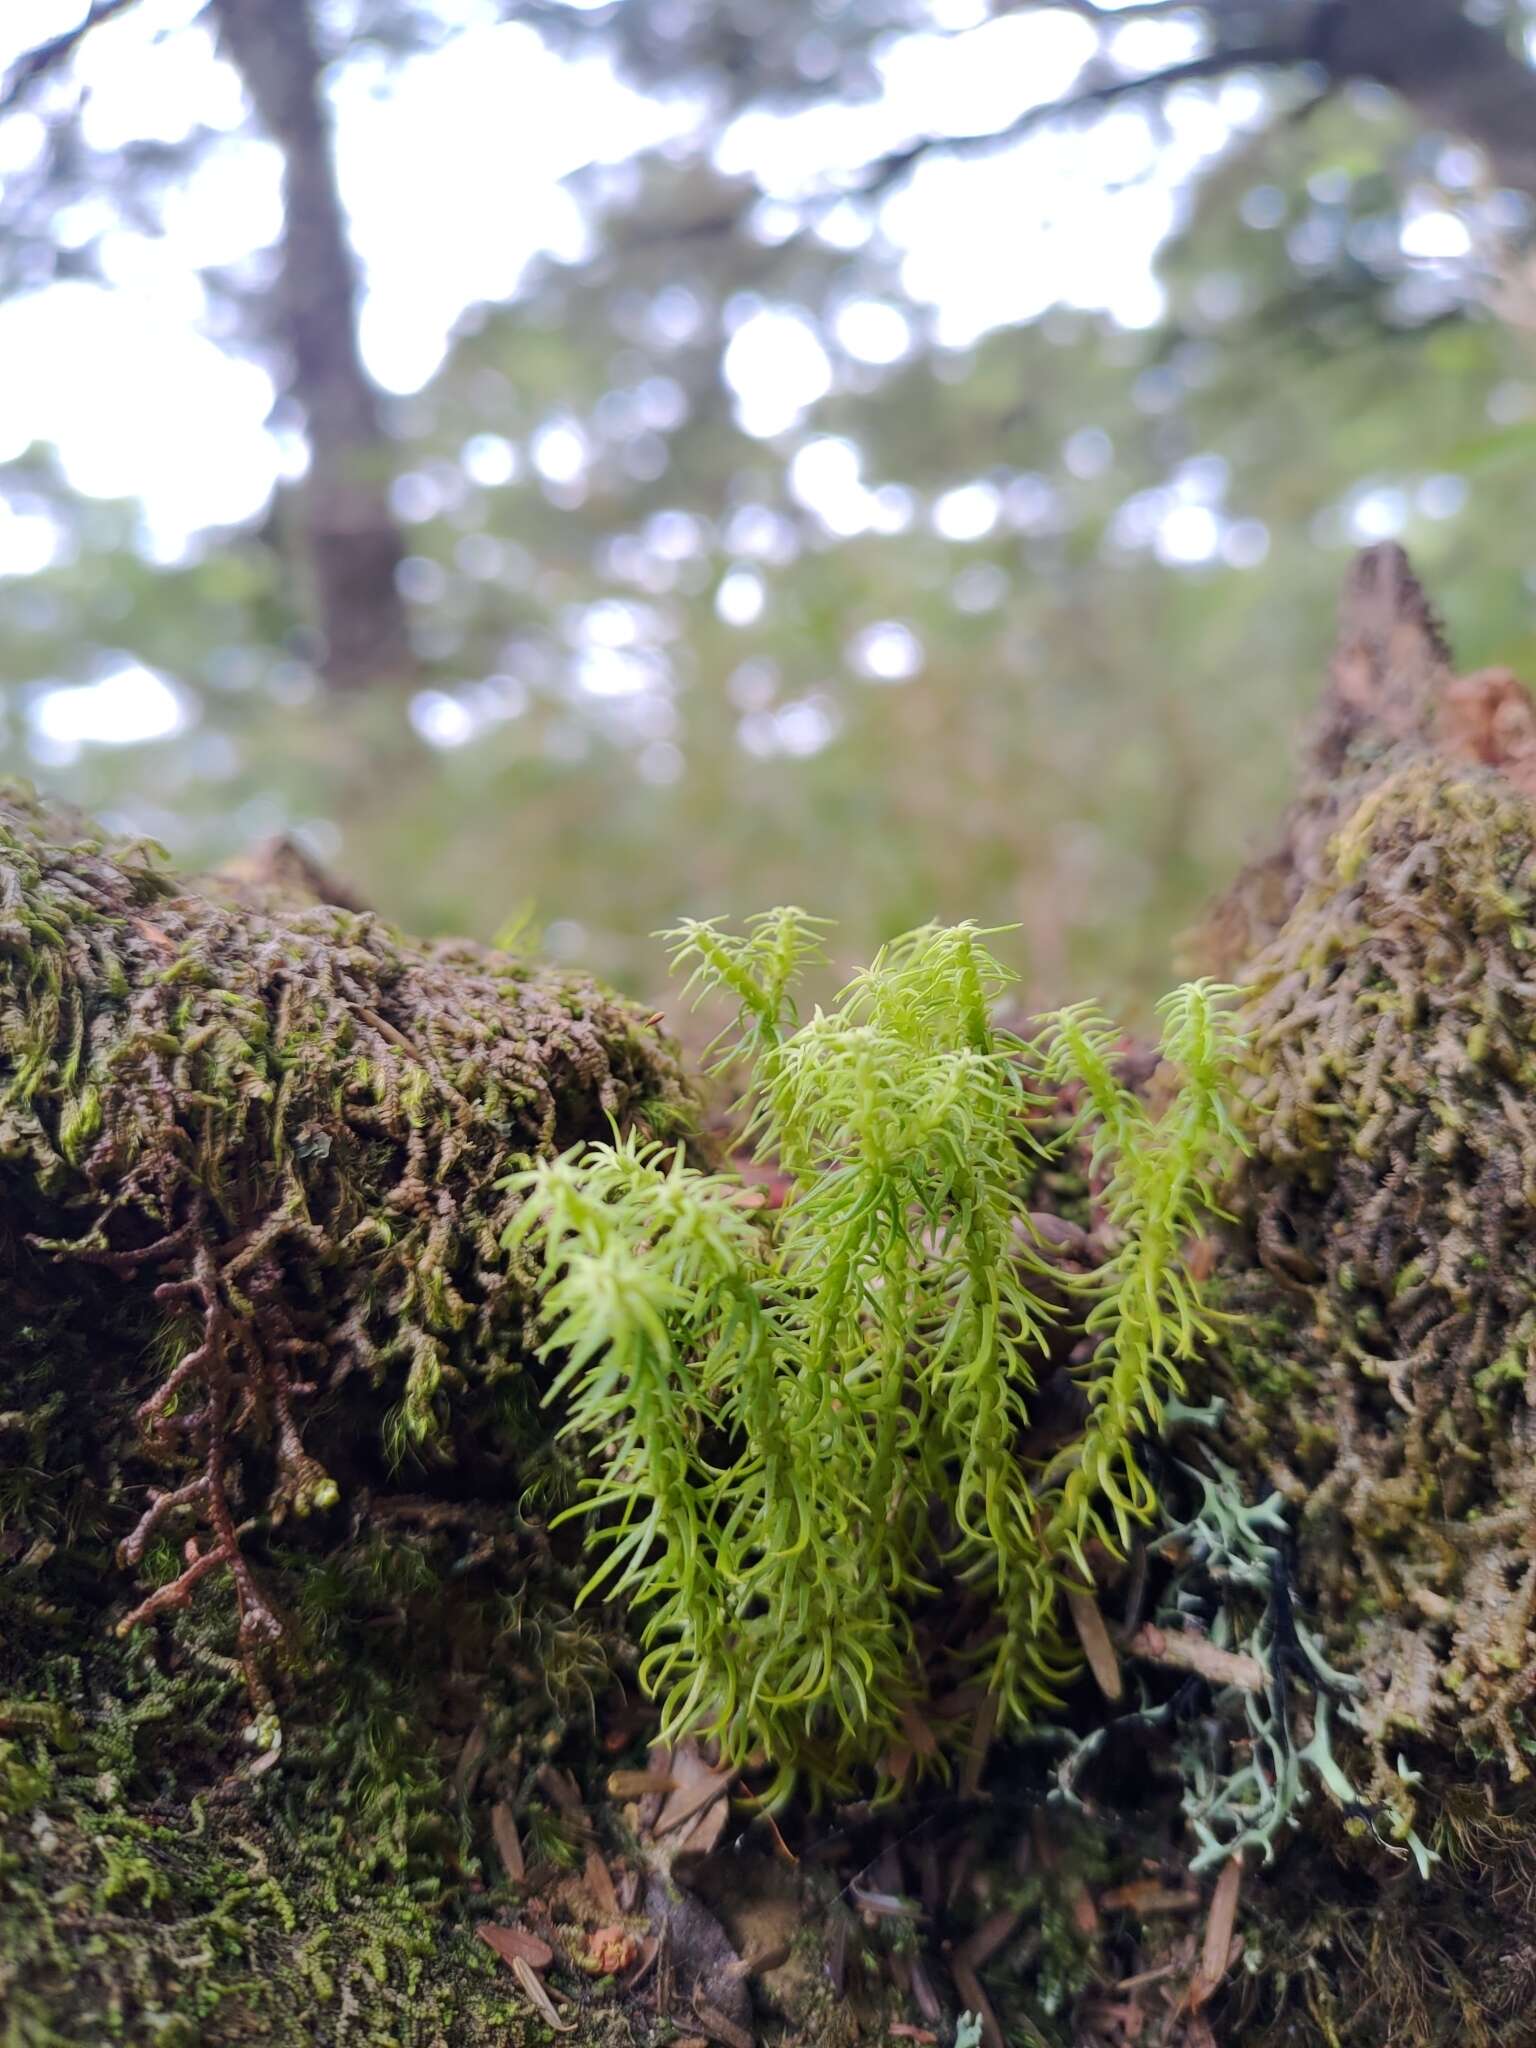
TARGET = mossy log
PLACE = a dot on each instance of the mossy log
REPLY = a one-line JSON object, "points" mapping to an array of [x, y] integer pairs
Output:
{"points": [[269, 1439], [1381, 1377], [271, 1457]]}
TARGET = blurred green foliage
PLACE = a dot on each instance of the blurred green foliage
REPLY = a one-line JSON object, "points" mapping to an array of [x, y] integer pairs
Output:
{"points": [[656, 684]]}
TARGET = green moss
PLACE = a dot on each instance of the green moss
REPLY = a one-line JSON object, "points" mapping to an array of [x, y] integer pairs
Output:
{"points": [[280, 1131], [1387, 1261], [264, 1358], [162, 1878], [810, 1427], [1335, 1956]]}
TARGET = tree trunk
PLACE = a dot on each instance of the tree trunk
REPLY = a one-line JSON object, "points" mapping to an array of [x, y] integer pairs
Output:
{"points": [[354, 547]]}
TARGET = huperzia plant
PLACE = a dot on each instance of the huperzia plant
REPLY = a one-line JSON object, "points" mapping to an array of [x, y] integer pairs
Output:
{"points": [[810, 1422]]}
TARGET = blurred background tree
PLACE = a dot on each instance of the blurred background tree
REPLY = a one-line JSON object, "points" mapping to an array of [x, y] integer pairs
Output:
{"points": [[607, 462]]}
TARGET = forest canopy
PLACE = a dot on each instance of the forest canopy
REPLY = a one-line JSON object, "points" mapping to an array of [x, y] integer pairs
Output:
{"points": [[751, 404]]}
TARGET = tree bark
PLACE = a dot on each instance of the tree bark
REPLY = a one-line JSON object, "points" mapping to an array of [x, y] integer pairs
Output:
{"points": [[1454, 74], [354, 546]]}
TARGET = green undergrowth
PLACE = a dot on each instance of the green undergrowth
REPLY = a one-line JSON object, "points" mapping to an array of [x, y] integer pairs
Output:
{"points": [[813, 1423]]}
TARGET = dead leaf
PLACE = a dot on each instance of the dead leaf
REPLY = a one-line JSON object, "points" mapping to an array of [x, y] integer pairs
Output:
{"points": [[539, 1998], [600, 1886], [509, 1843], [920, 1737], [989, 1937], [1145, 1895], [694, 1813], [968, 1984], [562, 1788], [512, 1943], [896, 1765], [1094, 1637], [638, 1784], [984, 1728], [1216, 1949], [471, 1756], [1085, 1914], [904, 2032]]}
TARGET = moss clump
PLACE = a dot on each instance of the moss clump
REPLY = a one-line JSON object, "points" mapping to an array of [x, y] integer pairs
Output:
{"points": [[281, 1132], [1336, 1956], [1383, 1375], [820, 1441], [1392, 1197], [261, 1340], [161, 1881]]}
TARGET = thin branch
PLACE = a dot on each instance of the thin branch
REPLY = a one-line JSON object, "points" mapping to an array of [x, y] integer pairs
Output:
{"points": [[47, 57], [1094, 10], [886, 171], [1187, 1650]]}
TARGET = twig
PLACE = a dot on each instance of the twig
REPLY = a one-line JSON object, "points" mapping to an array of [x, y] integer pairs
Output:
{"points": [[36, 64], [1184, 1650], [886, 171]]}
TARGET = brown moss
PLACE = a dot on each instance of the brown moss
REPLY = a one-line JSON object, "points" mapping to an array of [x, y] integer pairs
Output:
{"points": [[280, 1130], [1391, 1199], [261, 1334], [1383, 1373]]}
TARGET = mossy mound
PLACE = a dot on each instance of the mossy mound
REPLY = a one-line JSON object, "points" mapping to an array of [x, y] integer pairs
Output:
{"points": [[271, 1464], [288, 1652], [1389, 1368], [1382, 1375], [282, 1132]]}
